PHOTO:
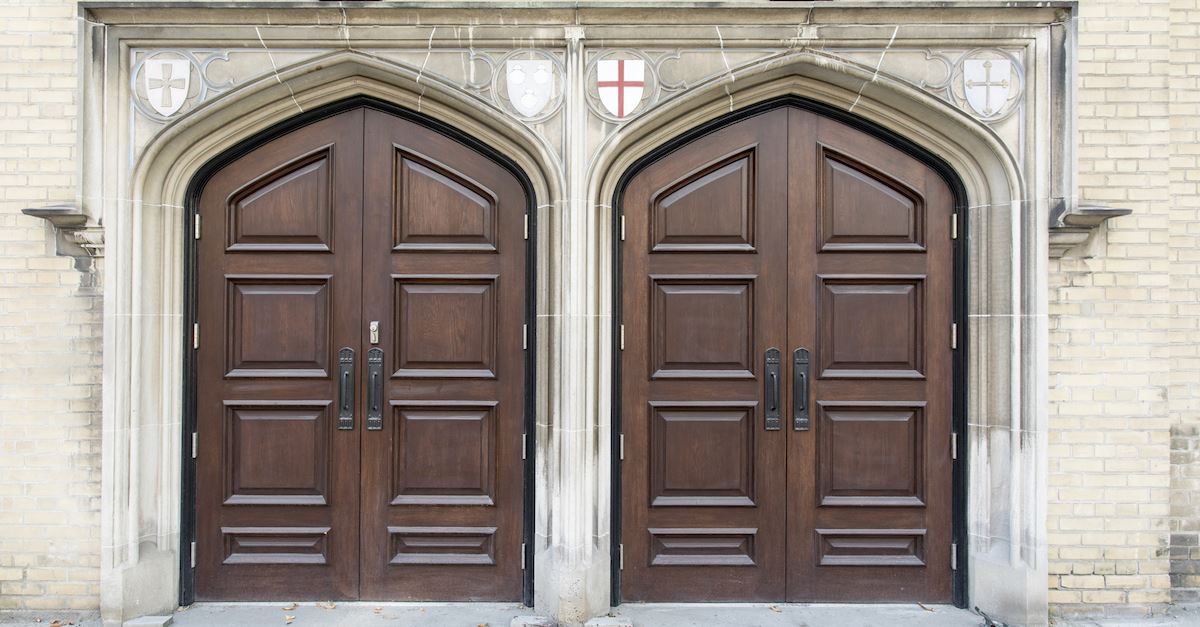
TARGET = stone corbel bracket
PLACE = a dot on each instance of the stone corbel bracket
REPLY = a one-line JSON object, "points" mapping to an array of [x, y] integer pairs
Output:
{"points": [[1075, 226], [73, 237]]}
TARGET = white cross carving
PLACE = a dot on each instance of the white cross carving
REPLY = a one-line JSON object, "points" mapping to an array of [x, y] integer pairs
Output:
{"points": [[166, 82], [987, 84]]}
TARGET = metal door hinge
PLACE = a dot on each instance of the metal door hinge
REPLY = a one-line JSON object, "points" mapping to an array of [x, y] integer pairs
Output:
{"points": [[193, 445], [954, 226], [527, 226], [954, 556], [196, 335], [953, 445], [525, 337], [523, 447], [196, 231], [953, 336], [622, 228], [622, 446], [193, 554], [622, 337], [621, 556], [522, 556]]}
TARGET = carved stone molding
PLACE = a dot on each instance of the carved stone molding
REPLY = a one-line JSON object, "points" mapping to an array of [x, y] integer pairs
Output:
{"points": [[1076, 226]]}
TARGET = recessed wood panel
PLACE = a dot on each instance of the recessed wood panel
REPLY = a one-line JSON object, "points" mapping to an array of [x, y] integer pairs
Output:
{"points": [[702, 547], [278, 326], [871, 547], [438, 208], [288, 209], [709, 210], [871, 327], [863, 209], [446, 326], [444, 453], [464, 546], [702, 327], [702, 454], [277, 452], [871, 454], [275, 545]]}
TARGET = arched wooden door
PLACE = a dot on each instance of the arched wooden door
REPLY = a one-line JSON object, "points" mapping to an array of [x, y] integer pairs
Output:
{"points": [[786, 372], [360, 373]]}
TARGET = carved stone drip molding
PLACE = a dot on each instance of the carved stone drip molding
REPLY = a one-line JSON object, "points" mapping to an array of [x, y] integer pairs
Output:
{"points": [[1076, 226], [74, 237]]}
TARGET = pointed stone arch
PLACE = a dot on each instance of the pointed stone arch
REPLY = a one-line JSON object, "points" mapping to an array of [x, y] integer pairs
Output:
{"points": [[1006, 258], [144, 335]]}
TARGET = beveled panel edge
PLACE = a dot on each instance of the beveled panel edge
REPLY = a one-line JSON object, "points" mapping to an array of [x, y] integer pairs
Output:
{"points": [[749, 152], [909, 190], [493, 244], [325, 151]]}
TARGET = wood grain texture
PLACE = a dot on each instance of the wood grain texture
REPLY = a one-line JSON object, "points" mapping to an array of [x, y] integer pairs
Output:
{"points": [[786, 230], [359, 217]]}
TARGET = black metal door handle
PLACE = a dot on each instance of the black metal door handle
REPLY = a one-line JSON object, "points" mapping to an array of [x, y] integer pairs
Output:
{"points": [[800, 420], [375, 389], [771, 390], [346, 389]]}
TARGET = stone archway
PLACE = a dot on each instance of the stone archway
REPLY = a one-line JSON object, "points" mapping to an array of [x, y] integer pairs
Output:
{"points": [[1006, 370], [144, 335]]}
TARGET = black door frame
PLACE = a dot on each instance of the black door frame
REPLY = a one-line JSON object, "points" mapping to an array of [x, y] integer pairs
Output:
{"points": [[958, 421], [187, 531]]}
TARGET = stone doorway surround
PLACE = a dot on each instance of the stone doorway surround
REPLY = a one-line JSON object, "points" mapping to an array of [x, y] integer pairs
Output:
{"points": [[909, 67]]}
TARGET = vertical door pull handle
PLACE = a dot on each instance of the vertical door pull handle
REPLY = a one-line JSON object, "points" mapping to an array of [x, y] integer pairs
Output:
{"points": [[771, 390], [375, 389], [346, 389], [800, 420]]}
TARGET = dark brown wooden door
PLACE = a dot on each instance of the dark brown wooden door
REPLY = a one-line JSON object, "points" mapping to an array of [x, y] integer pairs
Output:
{"points": [[791, 231], [445, 276], [320, 475]]}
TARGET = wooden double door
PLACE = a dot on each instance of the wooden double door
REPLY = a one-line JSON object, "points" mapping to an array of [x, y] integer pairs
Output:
{"points": [[360, 368], [786, 372]]}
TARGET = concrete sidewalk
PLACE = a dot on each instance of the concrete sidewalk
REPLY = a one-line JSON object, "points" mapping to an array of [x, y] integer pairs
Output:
{"points": [[355, 614]]}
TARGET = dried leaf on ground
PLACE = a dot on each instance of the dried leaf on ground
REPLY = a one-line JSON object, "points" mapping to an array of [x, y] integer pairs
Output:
{"points": [[774, 608], [326, 605], [289, 607], [288, 618]]}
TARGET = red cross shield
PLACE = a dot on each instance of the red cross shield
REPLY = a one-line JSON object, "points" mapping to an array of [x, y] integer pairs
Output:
{"points": [[620, 83]]}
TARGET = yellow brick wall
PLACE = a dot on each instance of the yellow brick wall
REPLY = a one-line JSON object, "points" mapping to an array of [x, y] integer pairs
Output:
{"points": [[1110, 329], [49, 331], [1184, 382], [1125, 324]]}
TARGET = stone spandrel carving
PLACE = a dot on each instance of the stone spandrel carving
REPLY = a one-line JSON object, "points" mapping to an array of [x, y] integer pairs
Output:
{"points": [[987, 83], [664, 75], [165, 84]]}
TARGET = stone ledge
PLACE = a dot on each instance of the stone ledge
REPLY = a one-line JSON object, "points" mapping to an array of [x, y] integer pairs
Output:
{"points": [[1077, 225]]}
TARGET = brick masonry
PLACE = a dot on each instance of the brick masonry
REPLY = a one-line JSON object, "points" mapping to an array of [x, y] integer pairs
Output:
{"points": [[50, 328], [1124, 512], [1123, 515]]}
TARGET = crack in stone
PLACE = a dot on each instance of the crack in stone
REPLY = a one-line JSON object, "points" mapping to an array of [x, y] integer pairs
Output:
{"points": [[275, 69], [882, 54]]}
